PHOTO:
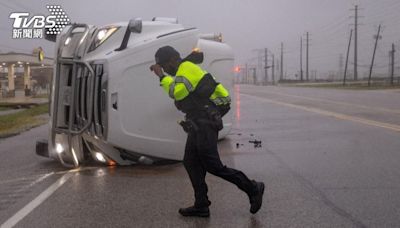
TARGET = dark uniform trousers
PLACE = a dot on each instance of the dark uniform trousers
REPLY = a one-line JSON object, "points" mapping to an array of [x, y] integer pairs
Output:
{"points": [[201, 156]]}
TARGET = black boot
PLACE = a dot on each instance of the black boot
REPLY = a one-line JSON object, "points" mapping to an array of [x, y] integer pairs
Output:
{"points": [[195, 211], [257, 197]]}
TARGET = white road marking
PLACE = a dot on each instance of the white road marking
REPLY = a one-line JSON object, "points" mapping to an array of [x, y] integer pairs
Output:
{"points": [[393, 127], [22, 179], [380, 109], [37, 201], [40, 179]]}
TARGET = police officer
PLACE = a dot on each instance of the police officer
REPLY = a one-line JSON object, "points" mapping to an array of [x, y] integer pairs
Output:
{"points": [[204, 101]]}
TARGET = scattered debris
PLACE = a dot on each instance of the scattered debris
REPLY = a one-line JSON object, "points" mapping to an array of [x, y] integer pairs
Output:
{"points": [[257, 144], [238, 145]]}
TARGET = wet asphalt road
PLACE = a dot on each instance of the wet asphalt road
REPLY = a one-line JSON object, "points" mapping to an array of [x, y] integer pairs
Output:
{"points": [[329, 158]]}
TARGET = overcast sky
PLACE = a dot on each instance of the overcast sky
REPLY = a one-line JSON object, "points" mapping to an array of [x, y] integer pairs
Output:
{"points": [[245, 25]]}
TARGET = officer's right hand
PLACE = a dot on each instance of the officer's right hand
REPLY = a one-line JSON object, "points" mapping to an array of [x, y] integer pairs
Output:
{"points": [[157, 69]]}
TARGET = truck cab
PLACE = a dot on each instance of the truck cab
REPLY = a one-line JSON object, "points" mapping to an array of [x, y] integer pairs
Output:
{"points": [[108, 106]]}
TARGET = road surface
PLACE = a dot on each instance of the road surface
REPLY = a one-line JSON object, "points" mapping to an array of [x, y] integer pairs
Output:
{"points": [[329, 158]]}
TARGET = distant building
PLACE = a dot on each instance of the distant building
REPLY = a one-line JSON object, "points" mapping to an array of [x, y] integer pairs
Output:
{"points": [[18, 69]]}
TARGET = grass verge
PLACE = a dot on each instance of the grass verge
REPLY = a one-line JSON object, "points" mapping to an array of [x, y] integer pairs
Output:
{"points": [[4, 108], [16, 123], [41, 96]]}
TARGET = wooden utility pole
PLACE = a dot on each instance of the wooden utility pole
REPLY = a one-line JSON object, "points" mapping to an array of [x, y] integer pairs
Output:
{"points": [[266, 66], [281, 63], [373, 56], [301, 58], [392, 66], [246, 74], [347, 58], [254, 76], [273, 69], [340, 64], [307, 59], [355, 43]]}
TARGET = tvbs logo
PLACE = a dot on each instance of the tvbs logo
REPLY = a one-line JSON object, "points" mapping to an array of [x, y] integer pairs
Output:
{"points": [[27, 26]]}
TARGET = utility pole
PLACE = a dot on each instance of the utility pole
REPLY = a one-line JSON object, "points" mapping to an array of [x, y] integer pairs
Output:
{"points": [[392, 67], [314, 75], [307, 59], [258, 70], [254, 76], [355, 42], [281, 63], [340, 65], [266, 65], [390, 63], [277, 67], [246, 75], [273, 69], [373, 56], [301, 58], [347, 58]]}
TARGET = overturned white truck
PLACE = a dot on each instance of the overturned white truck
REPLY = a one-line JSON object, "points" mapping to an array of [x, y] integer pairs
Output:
{"points": [[108, 106]]}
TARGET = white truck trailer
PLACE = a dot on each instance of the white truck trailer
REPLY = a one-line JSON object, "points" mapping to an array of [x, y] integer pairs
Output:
{"points": [[106, 104]]}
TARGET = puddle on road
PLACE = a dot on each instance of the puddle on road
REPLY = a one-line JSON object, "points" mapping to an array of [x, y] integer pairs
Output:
{"points": [[132, 170], [15, 189]]}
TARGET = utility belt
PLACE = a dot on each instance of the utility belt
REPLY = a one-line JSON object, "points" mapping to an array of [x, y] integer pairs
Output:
{"points": [[212, 117]]}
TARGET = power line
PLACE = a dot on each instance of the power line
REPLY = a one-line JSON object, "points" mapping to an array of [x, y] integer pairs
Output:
{"points": [[330, 36], [383, 9], [331, 23], [333, 30], [335, 26]]}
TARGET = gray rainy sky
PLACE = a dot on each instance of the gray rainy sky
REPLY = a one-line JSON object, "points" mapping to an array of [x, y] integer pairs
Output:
{"points": [[245, 25]]}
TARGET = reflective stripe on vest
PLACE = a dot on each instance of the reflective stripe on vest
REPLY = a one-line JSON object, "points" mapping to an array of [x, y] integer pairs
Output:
{"points": [[185, 81], [171, 90], [179, 79], [179, 87]]}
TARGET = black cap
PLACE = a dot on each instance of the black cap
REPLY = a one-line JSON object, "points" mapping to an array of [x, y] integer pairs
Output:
{"points": [[165, 53]]}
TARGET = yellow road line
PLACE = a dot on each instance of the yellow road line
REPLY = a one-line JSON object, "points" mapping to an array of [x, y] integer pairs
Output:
{"points": [[393, 127], [335, 102]]}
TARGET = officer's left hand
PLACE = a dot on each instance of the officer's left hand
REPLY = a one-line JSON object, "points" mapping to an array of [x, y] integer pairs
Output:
{"points": [[157, 69]]}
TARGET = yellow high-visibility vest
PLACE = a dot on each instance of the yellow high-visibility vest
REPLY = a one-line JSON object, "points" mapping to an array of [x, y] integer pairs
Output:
{"points": [[186, 80]]}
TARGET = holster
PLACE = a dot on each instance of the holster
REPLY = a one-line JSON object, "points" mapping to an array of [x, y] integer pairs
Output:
{"points": [[215, 117], [189, 125]]}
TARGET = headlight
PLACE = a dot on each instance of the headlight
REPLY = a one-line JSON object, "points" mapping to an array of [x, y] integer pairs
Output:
{"points": [[59, 148], [67, 41], [102, 35], [100, 157]]}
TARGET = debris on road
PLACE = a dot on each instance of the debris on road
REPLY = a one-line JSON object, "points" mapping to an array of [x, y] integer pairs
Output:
{"points": [[238, 145], [257, 144]]}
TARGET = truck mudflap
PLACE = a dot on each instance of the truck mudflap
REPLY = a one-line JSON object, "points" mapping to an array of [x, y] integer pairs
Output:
{"points": [[42, 148]]}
